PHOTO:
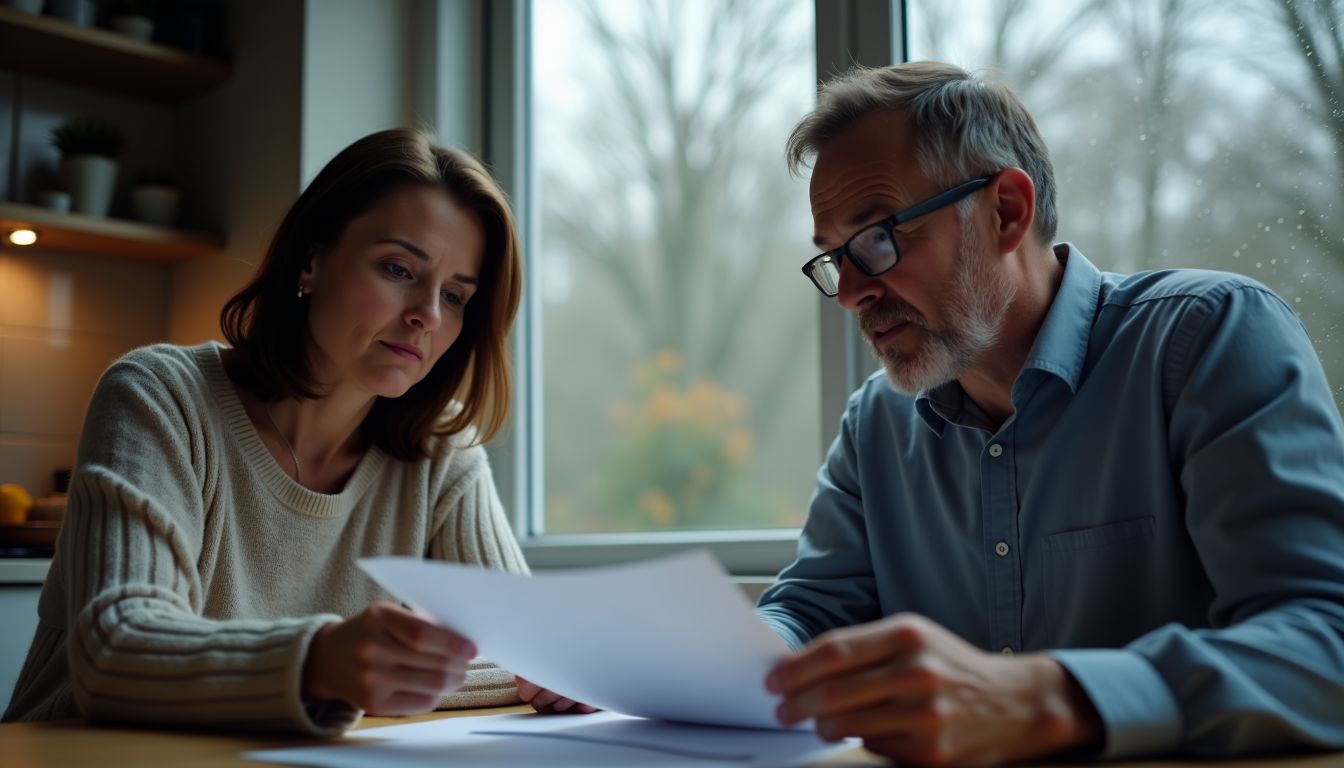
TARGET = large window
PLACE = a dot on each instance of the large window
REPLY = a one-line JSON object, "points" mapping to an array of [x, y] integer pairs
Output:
{"points": [[677, 341], [683, 378], [1185, 133]]}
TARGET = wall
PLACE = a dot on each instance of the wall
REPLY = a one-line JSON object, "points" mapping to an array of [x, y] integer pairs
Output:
{"points": [[63, 319], [370, 66], [358, 75], [239, 144]]}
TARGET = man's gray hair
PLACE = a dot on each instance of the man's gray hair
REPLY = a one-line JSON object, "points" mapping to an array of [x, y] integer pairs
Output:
{"points": [[964, 126]]}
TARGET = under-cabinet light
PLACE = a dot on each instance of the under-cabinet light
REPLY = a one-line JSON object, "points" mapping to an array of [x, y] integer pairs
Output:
{"points": [[23, 237]]}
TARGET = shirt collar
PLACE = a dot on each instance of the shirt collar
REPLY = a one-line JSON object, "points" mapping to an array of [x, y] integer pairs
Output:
{"points": [[1060, 348]]}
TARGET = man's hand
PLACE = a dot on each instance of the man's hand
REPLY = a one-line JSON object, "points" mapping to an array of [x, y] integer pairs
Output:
{"points": [[915, 692], [549, 702], [385, 661]]}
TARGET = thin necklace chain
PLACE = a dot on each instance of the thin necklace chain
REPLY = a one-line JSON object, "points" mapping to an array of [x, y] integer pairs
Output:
{"points": [[266, 409]]}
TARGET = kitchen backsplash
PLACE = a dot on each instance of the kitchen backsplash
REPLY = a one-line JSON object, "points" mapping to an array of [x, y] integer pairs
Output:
{"points": [[63, 320]]}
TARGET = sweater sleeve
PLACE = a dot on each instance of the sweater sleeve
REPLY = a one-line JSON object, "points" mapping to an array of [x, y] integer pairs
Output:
{"points": [[139, 648], [472, 527]]}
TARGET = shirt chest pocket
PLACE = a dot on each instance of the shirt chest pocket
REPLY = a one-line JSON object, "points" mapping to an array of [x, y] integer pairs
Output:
{"points": [[1095, 578]]}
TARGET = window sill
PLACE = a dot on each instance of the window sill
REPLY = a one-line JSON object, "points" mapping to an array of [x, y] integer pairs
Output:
{"points": [[745, 553]]}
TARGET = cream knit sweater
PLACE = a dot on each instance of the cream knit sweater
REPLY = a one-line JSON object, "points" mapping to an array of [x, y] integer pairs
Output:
{"points": [[192, 572]]}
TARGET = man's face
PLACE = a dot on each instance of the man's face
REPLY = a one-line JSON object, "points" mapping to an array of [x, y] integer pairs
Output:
{"points": [[933, 315]]}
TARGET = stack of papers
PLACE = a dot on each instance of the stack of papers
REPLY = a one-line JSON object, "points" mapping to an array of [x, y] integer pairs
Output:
{"points": [[671, 648], [527, 741]]}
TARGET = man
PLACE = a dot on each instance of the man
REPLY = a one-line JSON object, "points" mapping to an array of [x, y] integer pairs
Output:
{"points": [[1081, 512]]}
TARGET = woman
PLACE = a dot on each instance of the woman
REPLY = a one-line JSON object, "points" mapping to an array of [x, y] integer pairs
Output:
{"points": [[223, 494]]}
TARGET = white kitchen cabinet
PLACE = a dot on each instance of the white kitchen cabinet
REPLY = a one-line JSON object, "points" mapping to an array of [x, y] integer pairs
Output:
{"points": [[20, 584]]}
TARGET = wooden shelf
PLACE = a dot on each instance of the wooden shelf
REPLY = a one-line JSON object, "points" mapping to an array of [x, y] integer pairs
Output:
{"points": [[119, 238], [43, 46]]}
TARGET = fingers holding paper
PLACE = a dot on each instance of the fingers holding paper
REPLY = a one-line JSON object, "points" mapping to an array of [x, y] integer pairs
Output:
{"points": [[386, 660], [914, 691], [549, 702]]}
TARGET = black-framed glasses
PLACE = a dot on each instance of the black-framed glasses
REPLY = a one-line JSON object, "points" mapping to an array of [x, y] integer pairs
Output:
{"points": [[873, 249]]}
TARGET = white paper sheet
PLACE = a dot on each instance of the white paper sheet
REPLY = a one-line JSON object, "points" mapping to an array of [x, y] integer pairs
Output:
{"points": [[670, 638], [602, 739]]}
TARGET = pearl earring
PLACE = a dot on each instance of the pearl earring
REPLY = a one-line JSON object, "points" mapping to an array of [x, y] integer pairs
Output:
{"points": [[301, 291]]}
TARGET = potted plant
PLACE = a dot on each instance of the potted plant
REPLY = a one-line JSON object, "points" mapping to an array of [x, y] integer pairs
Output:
{"points": [[89, 150], [154, 198]]}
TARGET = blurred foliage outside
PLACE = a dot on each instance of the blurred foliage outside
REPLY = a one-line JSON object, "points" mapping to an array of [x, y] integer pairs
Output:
{"points": [[682, 453]]}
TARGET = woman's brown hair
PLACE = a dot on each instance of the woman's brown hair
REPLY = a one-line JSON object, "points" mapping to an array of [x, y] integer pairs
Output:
{"points": [[268, 325]]}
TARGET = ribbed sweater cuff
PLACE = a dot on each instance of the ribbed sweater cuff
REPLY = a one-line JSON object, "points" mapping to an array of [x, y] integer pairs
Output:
{"points": [[487, 685], [320, 718]]}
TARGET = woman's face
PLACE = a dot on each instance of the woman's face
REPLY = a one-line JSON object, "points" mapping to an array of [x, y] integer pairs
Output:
{"points": [[388, 298]]}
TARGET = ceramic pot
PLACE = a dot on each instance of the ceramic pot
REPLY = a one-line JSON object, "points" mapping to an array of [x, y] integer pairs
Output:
{"points": [[136, 26], [90, 180], [55, 199], [155, 204]]}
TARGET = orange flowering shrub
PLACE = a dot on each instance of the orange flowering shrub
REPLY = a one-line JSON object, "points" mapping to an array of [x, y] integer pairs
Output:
{"points": [[681, 454]]}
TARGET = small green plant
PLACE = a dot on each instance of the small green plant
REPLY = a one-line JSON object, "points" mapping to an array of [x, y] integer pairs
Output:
{"points": [[87, 136]]}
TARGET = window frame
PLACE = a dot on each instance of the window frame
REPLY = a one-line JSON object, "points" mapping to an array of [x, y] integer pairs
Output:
{"points": [[848, 32]]}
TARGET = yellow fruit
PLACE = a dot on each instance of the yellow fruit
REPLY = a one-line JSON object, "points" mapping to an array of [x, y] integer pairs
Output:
{"points": [[14, 504]]}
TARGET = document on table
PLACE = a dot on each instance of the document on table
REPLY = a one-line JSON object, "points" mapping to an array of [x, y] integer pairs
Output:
{"points": [[670, 638], [593, 741]]}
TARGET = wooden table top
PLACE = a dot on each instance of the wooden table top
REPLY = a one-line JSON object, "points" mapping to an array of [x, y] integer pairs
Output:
{"points": [[76, 743]]}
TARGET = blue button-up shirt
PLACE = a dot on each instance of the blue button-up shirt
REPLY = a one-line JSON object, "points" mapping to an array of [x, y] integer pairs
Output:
{"points": [[1163, 513]]}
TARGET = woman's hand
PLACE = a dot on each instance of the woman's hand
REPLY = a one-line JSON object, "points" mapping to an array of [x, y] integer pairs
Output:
{"points": [[549, 702], [385, 661]]}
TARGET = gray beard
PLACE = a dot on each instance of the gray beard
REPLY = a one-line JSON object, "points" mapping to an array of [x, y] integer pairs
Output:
{"points": [[981, 295]]}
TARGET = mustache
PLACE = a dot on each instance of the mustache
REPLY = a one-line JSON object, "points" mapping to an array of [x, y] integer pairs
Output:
{"points": [[888, 313]]}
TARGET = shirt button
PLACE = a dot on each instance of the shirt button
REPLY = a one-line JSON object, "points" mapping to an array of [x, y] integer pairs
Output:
{"points": [[996, 450], [1007, 651], [1001, 549]]}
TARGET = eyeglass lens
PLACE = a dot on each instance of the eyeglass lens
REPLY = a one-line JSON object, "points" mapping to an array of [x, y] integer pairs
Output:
{"points": [[825, 272], [872, 250]]}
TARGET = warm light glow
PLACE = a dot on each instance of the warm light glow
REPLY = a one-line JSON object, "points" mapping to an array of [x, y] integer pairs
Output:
{"points": [[23, 237]]}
